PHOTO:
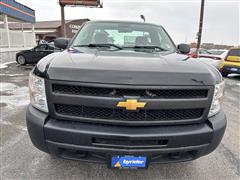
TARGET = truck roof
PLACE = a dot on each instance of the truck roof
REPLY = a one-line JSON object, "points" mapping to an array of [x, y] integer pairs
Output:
{"points": [[125, 22]]}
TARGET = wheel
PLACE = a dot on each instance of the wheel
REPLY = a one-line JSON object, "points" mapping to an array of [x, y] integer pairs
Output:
{"points": [[21, 60], [224, 74]]}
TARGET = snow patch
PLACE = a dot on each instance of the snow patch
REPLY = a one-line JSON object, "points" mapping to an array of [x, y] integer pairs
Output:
{"points": [[23, 128], [11, 75], [19, 95], [4, 65], [7, 87]]}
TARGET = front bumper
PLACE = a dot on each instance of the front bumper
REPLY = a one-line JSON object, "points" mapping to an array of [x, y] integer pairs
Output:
{"points": [[97, 143], [230, 69]]}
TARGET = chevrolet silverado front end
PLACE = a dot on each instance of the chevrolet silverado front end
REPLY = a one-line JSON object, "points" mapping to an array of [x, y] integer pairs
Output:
{"points": [[126, 106]]}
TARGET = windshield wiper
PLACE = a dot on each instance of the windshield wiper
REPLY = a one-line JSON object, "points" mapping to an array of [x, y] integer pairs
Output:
{"points": [[99, 45], [150, 47]]}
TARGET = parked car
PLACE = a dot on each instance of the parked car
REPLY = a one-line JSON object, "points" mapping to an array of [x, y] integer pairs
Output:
{"points": [[216, 54], [32, 56], [214, 57], [123, 94], [231, 63], [194, 53]]}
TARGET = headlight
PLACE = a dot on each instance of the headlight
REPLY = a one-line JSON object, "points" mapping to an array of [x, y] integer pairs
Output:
{"points": [[217, 98], [37, 92]]}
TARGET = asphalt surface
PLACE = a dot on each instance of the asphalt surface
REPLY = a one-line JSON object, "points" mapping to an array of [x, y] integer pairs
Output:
{"points": [[21, 160]]}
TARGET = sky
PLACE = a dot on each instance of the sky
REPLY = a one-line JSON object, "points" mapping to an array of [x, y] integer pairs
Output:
{"points": [[179, 17]]}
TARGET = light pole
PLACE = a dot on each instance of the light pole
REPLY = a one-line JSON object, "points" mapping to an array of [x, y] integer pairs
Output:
{"points": [[63, 23], [142, 17], [199, 34]]}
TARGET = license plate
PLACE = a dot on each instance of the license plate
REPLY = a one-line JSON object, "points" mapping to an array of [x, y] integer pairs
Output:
{"points": [[129, 162], [234, 69]]}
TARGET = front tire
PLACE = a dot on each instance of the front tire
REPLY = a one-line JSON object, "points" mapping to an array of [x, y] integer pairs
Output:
{"points": [[21, 60]]}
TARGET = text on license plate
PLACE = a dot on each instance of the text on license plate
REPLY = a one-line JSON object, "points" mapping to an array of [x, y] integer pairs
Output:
{"points": [[128, 162]]}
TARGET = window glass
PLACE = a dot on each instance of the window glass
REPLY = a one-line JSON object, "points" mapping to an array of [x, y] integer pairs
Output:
{"points": [[122, 38], [50, 47], [234, 52], [124, 35], [216, 52], [41, 47]]}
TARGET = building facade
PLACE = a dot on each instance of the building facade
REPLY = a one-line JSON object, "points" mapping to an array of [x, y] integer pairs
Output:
{"points": [[50, 30], [12, 11]]}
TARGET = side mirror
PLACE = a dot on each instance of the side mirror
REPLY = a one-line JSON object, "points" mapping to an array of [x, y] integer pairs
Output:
{"points": [[183, 48], [61, 43]]}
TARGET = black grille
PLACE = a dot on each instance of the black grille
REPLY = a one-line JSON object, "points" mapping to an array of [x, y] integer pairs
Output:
{"points": [[117, 142], [114, 92], [119, 114]]}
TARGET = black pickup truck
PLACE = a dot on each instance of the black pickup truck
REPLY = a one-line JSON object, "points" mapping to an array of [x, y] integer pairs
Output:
{"points": [[123, 94]]}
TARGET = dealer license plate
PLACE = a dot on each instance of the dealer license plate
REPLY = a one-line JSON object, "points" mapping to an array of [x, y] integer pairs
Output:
{"points": [[129, 162]]}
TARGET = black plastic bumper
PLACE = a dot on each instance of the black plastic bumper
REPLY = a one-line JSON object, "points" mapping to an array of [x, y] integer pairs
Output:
{"points": [[96, 143], [229, 69]]}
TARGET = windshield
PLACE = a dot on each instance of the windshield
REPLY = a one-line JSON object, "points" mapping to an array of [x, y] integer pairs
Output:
{"points": [[234, 52], [216, 52], [204, 51], [123, 35]]}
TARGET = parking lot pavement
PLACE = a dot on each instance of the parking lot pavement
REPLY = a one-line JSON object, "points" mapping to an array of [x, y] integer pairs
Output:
{"points": [[21, 160]]}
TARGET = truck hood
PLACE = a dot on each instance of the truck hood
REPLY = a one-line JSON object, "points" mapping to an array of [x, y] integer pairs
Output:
{"points": [[128, 67]]}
